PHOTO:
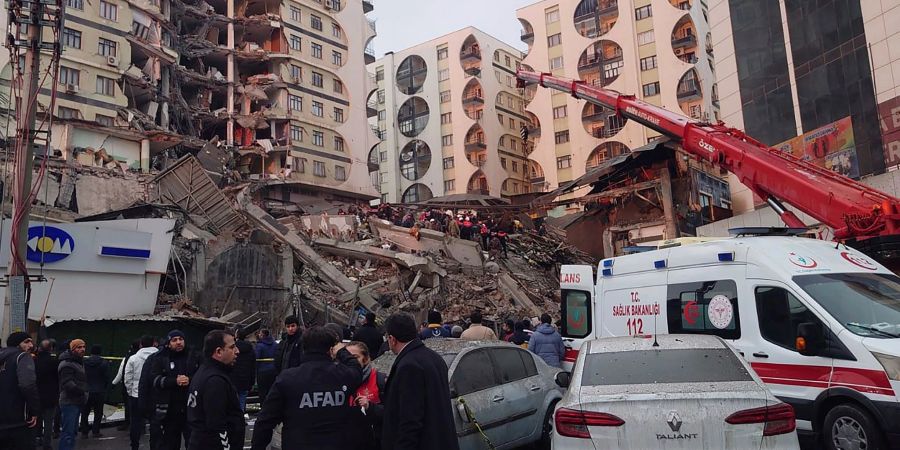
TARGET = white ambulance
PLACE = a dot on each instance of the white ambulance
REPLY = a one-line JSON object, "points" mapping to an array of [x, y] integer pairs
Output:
{"points": [[818, 322]]}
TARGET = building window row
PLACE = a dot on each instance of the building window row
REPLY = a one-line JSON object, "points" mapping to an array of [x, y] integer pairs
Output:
{"points": [[643, 12], [564, 162]]}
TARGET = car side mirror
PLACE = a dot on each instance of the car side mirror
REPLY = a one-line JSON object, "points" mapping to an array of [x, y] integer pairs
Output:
{"points": [[810, 339], [563, 379]]}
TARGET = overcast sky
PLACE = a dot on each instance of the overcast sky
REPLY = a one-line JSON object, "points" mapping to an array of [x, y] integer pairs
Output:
{"points": [[404, 23]]}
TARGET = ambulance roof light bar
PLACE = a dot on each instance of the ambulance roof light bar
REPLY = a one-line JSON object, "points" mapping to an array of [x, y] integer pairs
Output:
{"points": [[767, 231]]}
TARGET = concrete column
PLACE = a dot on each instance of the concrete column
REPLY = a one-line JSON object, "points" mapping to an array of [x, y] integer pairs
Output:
{"points": [[145, 155], [665, 188], [166, 85], [229, 138]]}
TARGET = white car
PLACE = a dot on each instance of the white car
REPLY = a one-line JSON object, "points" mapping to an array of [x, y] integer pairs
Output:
{"points": [[668, 391]]}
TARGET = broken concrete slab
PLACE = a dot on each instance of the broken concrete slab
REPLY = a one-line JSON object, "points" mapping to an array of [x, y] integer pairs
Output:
{"points": [[356, 251], [465, 252], [511, 286], [95, 195]]}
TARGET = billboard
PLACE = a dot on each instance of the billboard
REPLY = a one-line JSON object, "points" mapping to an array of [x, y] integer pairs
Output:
{"points": [[831, 146], [889, 119]]}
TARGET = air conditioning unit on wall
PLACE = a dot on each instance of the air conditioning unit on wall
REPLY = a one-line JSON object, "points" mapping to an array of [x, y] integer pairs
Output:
{"points": [[72, 88], [112, 61]]}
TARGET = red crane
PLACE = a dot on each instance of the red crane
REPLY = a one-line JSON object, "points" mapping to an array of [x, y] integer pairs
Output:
{"points": [[852, 209]]}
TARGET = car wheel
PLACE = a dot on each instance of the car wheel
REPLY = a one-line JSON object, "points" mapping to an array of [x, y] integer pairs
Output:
{"points": [[847, 427], [546, 429]]}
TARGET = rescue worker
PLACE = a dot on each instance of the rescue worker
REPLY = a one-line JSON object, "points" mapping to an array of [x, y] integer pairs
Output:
{"points": [[172, 369], [214, 413], [312, 400], [434, 327]]}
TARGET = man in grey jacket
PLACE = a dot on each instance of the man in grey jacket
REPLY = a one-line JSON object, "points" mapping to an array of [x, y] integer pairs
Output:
{"points": [[18, 389], [72, 392]]}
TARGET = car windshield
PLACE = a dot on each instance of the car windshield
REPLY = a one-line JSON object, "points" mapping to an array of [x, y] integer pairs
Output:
{"points": [[867, 304], [663, 366]]}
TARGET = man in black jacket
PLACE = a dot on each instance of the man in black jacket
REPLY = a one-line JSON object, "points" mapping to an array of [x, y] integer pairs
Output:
{"points": [[96, 370], [417, 409], [171, 370], [243, 375], [214, 414], [289, 349], [370, 335], [72, 392], [18, 389], [45, 367], [312, 400]]}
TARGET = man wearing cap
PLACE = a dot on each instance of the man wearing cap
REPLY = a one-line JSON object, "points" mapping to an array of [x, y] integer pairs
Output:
{"points": [[18, 389], [72, 392], [171, 370]]}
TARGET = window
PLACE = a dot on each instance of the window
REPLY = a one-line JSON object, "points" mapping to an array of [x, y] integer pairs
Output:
{"points": [[382, 115], [315, 22], [704, 307], [642, 367], [860, 301], [512, 122], [563, 162], [648, 63], [503, 162], [506, 61], [651, 89], [338, 144], [317, 79], [444, 74], [299, 165], [561, 137], [642, 13], [379, 75], [318, 109], [559, 112], [338, 115], [445, 119], [338, 86], [515, 165], [779, 314], [295, 102], [443, 53], [445, 96], [513, 364], [380, 96], [336, 30], [295, 13], [645, 37], [296, 134], [106, 121], [552, 41], [106, 86], [318, 168], [316, 50], [556, 63], [552, 16], [337, 58], [68, 113], [295, 42], [71, 38], [109, 11], [106, 47], [340, 173], [475, 372], [382, 156], [447, 140], [77, 4], [296, 73], [69, 76], [448, 163], [318, 138], [449, 185]]}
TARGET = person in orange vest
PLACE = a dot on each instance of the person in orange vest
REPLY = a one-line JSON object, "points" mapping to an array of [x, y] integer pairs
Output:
{"points": [[368, 395]]}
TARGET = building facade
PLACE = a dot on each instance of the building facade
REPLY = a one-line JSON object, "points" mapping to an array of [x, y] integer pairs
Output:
{"points": [[449, 119], [658, 50], [265, 85], [790, 68]]}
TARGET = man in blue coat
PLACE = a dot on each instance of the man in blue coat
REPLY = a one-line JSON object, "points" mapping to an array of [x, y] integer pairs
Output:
{"points": [[547, 343]]}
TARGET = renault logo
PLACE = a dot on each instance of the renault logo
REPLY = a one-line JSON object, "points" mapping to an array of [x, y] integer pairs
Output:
{"points": [[674, 421]]}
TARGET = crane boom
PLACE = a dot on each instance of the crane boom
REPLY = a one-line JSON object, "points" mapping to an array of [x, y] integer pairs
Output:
{"points": [[851, 208]]}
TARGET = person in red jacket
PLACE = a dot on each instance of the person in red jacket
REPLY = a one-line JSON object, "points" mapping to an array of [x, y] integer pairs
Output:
{"points": [[368, 395]]}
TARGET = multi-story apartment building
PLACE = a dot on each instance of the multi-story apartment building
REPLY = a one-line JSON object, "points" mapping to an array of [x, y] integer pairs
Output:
{"points": [[658, 50], [790, 68], [450, 119], [267, 84]]}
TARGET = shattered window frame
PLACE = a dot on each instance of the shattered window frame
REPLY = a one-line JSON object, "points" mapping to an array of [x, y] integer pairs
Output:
{"points": [[109, 11], [318, 109], [316, 50], [319, 168], [105, 86], [295, 102], [315, 22], [318, 138], [340, 173], [71, 38], [107, 47]]}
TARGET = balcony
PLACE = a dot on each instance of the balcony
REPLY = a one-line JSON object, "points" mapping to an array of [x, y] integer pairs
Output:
{"points": [[596, 114], [479, 163], [369, 55], [368, 6], [372, 108], [380, 133], [689, 58], [688, 91], [685, 42], [611, 10], [534, 132], [474, 145], [596, 61], [473, 99], [473, 70], [470, 54], [527, 36], [478, 190]]}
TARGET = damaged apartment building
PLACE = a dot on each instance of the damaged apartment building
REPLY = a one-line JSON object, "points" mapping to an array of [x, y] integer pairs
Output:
{"points": [[261, 91]]}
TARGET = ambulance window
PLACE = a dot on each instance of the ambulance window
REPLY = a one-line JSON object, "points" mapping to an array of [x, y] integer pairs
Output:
{"points": [[779, 314], [705, 307], [576, 308]]}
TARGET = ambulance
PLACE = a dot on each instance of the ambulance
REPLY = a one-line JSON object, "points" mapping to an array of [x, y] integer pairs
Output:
{"points": [[819, 322]]}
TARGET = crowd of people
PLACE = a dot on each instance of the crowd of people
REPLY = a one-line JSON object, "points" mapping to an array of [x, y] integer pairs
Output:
{"points": [[313, 384]]}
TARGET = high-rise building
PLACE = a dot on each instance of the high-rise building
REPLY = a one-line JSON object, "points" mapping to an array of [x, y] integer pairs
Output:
{"points": [[450, 120], [818, 69], [658, 50], [270, 85]]}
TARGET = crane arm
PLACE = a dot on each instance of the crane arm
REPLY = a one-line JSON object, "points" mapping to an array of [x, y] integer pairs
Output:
{"points": [[851, 208]]}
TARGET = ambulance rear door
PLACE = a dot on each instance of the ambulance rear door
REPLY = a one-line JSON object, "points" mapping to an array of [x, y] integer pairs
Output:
{"points": [[578, 306]]}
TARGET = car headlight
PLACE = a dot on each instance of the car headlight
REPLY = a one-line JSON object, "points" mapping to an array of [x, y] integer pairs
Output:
{"points": [[891, 365]]}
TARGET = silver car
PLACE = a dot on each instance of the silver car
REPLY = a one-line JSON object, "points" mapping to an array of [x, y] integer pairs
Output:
{"points": [[507, 390]]}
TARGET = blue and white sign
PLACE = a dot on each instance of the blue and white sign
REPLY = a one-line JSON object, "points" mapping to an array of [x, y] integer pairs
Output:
{"points": [[48, 244]]}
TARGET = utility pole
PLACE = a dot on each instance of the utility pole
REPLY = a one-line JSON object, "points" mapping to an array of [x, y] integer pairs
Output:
{"points": [[32, 16]]}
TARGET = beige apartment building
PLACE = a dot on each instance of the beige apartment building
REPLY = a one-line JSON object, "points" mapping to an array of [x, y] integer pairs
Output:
{"points": [[271, 89], [658, 50], [449, 119]]}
